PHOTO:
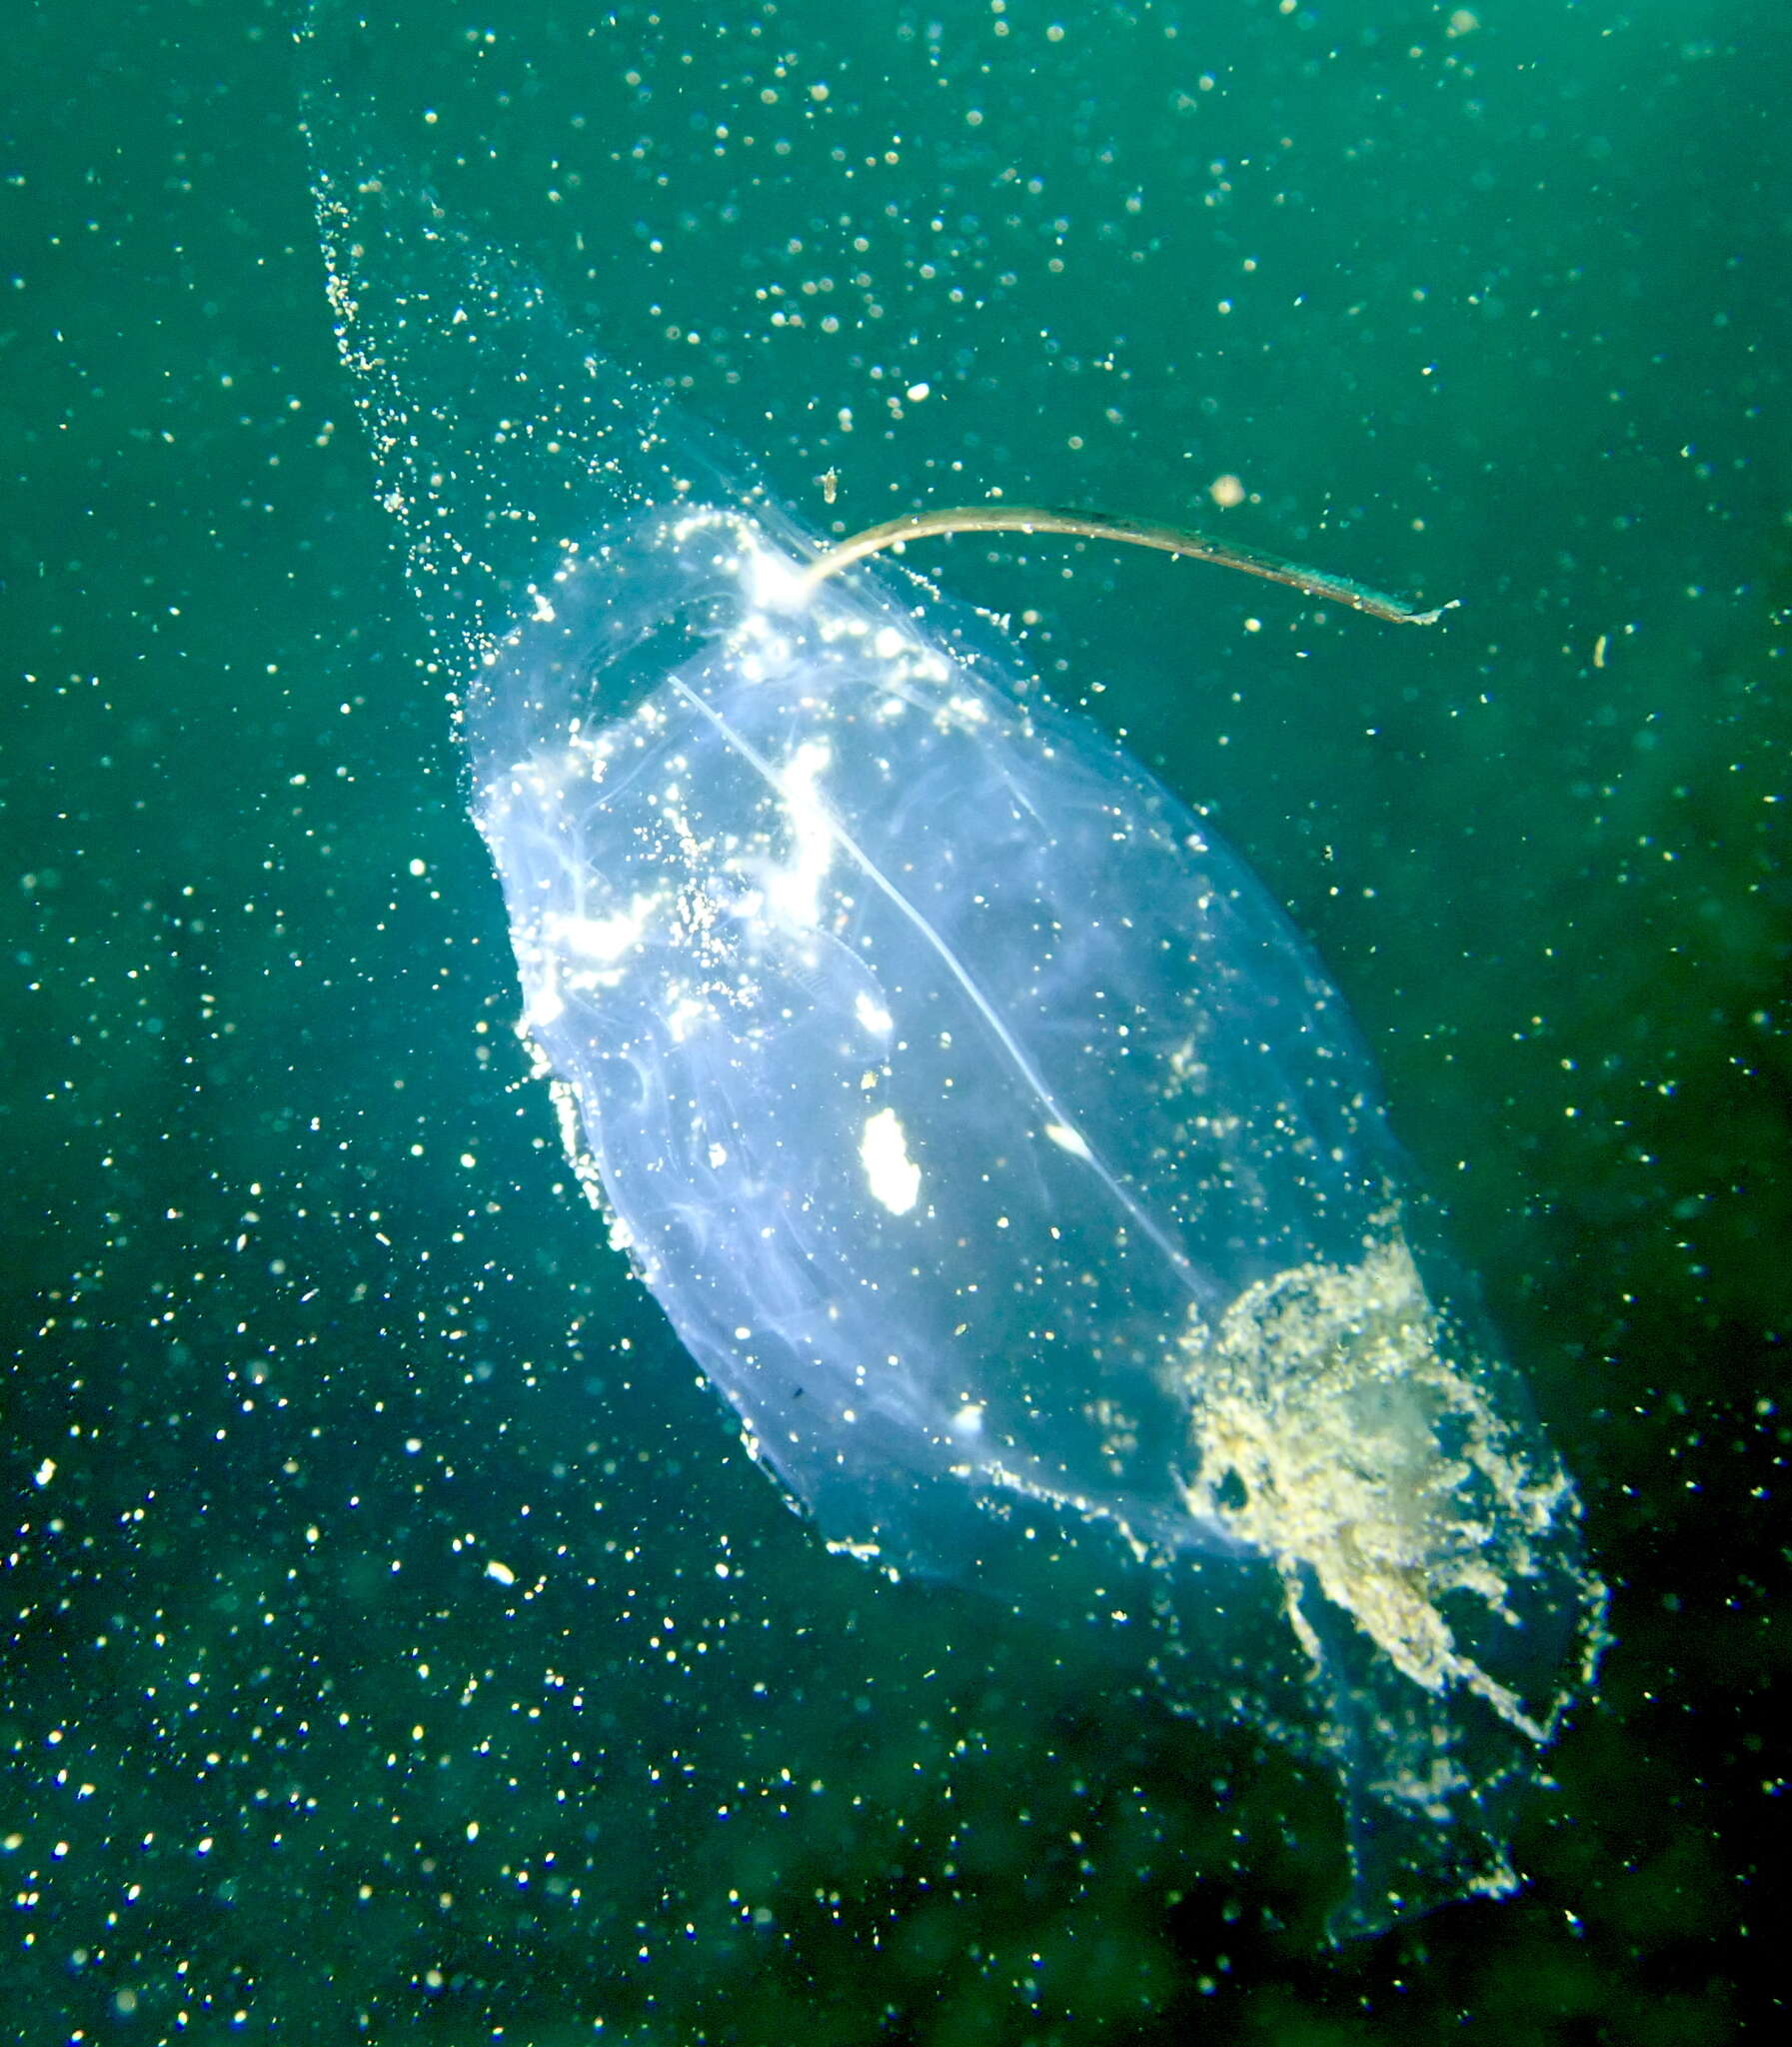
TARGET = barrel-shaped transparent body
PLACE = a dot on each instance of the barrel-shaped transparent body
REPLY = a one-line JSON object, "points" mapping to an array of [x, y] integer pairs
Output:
{"points": [[996, 1144]]}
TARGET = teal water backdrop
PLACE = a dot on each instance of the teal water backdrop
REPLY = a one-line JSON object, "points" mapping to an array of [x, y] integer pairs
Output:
{"points": [[397, 1640]]}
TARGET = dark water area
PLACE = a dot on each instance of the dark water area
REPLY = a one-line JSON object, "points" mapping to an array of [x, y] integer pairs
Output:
{"points": [[396, 1640]]}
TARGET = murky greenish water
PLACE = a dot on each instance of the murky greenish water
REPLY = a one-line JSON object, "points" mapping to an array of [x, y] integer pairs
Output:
{"points": [[399, 1642]]}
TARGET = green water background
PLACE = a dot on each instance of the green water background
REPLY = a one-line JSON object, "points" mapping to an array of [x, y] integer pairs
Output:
{"points": [[307, 1324]]}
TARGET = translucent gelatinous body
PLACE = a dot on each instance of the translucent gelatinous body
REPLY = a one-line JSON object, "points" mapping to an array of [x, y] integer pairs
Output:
{"points": [[988, 1135], [985, 1129]]}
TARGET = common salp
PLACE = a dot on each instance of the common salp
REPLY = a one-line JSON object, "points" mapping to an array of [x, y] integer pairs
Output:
{"points": [[986, 1132]]}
